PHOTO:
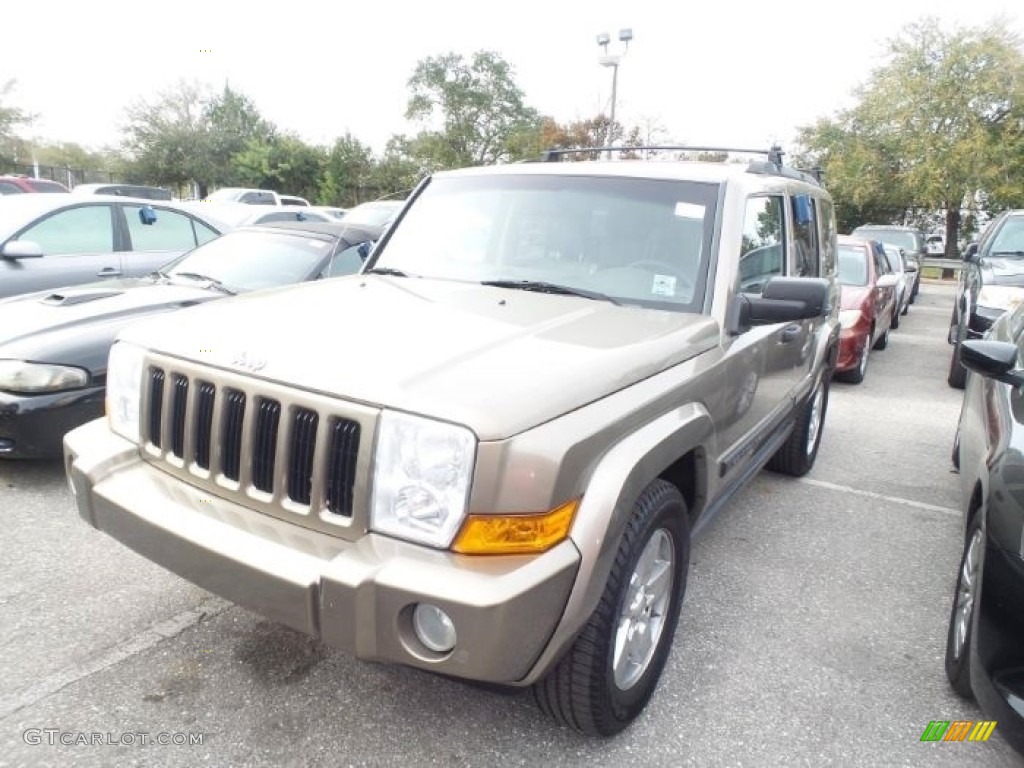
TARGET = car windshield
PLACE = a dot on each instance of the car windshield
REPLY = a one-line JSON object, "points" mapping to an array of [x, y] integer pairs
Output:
{"points": [[637, 241], [249, 261], [908, 241], [1009, 241], [371, 214], [853, 265]]}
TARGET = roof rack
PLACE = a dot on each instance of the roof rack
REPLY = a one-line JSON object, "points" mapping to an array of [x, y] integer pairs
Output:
{"points": [[774, 153]]}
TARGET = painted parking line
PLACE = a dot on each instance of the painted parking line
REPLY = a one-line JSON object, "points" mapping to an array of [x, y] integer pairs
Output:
{"points": [[149, 637], [879, 496]]}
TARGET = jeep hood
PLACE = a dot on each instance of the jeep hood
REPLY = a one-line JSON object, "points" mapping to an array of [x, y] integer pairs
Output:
{"points": [[495, 359]]}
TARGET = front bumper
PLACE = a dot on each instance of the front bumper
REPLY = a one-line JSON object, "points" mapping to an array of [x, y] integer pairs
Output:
{"points": [[357, 596], [851, 346], [33, 426]]}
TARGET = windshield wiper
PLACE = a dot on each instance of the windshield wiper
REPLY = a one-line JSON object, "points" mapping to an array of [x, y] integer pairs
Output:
{"points": [[390, 271], [541, 287], [1007, 253], [214, 282]]}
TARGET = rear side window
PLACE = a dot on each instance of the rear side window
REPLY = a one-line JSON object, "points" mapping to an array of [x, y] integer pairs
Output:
{"points": [[172, 231], [827, 225], [85, 229], [761, 251], [805, 236]]}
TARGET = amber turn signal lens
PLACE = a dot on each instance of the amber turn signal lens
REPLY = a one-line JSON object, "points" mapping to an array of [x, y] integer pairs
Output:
{"points": [[515, 534]]}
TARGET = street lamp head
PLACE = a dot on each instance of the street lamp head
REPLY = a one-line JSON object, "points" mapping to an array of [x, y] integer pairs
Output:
{"points": [[625, 35], [603, 39]]}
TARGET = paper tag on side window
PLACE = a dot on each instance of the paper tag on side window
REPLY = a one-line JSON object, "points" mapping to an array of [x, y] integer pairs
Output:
{"points": [[663, 285]]}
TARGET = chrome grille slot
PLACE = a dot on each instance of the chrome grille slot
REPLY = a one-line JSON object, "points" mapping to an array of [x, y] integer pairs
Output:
{"points": [[156, 400], [231, 434], [341, 465], [301, 450], [179, 400], [264, 444], [205, 397], [296, 455]]}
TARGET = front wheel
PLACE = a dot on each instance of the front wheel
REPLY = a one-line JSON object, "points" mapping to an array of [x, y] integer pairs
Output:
{"points": [[882, 341], [957, 377], [961, 616], [606, 678], [797, 454]]}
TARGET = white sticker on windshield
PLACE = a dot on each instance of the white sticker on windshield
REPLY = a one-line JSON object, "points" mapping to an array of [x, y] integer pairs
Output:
{"points": [[690, 210], [663, 285]]}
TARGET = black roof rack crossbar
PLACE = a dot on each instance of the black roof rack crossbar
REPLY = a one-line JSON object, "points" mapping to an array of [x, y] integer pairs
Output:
{"points": [[774, 153]]}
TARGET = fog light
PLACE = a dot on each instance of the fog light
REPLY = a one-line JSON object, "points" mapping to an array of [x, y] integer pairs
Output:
{"points": [[433, 628]]}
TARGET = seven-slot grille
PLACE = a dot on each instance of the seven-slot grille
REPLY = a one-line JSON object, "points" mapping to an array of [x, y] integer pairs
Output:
{"points": [[245, 436]]}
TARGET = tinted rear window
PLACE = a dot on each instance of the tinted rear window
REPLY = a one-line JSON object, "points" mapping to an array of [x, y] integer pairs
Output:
{"points": [[45, 186]]}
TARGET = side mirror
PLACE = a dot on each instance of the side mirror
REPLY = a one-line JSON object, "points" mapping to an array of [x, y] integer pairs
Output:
{"points": [[147, 215], [993, 360], [364, 249], [971, 254], [887, 281], [21, 249], [784, 300]]}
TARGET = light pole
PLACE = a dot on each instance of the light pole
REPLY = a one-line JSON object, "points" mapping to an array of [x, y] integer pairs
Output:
{"points": [[613, 60]]}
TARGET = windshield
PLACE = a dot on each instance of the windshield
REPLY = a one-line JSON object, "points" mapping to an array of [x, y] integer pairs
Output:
{"points": [[853, 265], [249, 261], [1010, 238], [908, 241], [372, 214], [638, 241]]}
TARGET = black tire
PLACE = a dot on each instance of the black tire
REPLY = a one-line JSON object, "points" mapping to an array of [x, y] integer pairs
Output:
{"points": [[957, 377], [856, 375], [895, 324], [581, 690], [961, 616], [906, 307], [797, 454], [882, 341]]}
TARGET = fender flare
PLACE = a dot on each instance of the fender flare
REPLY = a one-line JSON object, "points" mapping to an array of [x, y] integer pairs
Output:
{"points": [[617, 480]]}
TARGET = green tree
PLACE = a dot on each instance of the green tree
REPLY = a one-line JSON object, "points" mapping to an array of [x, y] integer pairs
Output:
{"points": [[936, 128], [232, 121], [348, 176], [283, 163], [11, 118], [471, 112]]}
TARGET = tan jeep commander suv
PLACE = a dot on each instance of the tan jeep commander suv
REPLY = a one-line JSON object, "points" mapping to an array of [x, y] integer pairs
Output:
{"points": [[485, 455]]}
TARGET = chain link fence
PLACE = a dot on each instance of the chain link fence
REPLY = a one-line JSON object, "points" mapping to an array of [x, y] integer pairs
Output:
{"points": [[69, 177]]}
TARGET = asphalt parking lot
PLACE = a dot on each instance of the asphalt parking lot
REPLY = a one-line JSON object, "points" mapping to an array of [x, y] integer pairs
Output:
{"points": [[812, 634]]}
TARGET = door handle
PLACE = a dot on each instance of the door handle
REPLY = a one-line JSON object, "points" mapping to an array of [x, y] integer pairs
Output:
{"points": [[109, 272], [791, 333]]}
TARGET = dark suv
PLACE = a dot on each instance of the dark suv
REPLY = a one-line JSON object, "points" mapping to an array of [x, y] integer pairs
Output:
{"points": [[991, 282], [16, 185], [909, 239]]}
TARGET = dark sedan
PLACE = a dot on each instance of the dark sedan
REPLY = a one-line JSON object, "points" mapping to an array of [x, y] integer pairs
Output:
{"points": [[54, 344], [985, 641]]}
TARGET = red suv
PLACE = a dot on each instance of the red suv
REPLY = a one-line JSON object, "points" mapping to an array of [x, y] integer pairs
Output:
{"points": [[16, 185]]}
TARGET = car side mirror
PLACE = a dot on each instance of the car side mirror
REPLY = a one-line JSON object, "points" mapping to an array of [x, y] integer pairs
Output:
{"points": [[147, 215], [971, 254], [887, 281], [364, 249], [993, 360], [21, 249], [784, 300]]}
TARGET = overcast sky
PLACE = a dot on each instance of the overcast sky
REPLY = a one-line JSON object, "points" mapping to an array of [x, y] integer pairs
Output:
{"points": [[720, 72]]}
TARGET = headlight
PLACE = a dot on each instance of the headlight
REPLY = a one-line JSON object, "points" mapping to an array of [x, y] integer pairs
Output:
{"points": [[421, 478], [849, 318], [124, 389], [31, 378], [1000, 297]]}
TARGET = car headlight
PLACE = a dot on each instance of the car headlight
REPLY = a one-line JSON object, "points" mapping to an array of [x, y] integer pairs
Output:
{"points": [[849, 318], [421, 479], [32, 378], [124, 389], [1000, 297]]}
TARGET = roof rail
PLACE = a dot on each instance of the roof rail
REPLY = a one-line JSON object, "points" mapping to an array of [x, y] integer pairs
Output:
{"points": [[774, 153]]}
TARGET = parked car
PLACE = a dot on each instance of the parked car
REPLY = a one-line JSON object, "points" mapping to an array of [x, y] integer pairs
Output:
{"points": [[375, 215], [904, 280], [936, 245], [910, 239], [17, 185], [243, 215], [254, 197], [985, 639], [990, 282], [330, 210], [54, 344], [293, 200], [50, 241], [484, 455], [868, 305], [139, 191]]}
